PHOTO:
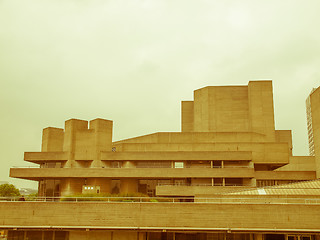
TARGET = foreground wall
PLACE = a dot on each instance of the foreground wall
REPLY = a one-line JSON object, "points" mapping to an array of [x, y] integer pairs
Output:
{"points": [[161, 216]]}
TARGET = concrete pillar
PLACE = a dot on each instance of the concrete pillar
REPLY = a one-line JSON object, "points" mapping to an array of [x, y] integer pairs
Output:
{"points": [[250, 182], [71, 186], [102, 131], [258, 236], [104, 183], [128, 164], [102, 141], [128, 185], [72, 126], [142, 235], [52, 140], [90, 235], [124, 235]]}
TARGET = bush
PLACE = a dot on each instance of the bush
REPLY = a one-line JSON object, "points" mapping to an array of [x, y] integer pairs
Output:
{"points": [[123, 197], [31, 197], [8, 190]]}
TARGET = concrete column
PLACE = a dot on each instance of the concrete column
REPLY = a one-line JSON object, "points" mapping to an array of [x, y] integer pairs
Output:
{"points": [[142, 235], [128, 164], [71, 186], [258, 236], [69, 144], [102, 131], [90, 235], [250, 182], [104, 183], [102, 141], [128, 185], [124, 235]]}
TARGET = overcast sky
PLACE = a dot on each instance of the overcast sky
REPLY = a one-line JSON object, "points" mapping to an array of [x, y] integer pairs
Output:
{"points": [[133, 61]]}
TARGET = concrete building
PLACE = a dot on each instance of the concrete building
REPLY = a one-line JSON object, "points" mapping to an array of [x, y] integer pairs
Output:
{"points": [[228, 145], [309, 124]]}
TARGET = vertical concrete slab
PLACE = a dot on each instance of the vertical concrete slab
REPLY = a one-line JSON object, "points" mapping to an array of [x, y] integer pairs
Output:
{"points": [[261, 111], [69, 144], [187, 116], [102, 132], [201, 108], [52, 139]]}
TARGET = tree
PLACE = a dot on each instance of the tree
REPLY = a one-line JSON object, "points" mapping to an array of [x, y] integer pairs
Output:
{"points": [[8, 190]]}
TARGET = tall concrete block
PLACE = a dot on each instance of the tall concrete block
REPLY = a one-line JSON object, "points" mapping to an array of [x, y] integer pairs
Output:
{"points": [[261, 111], [52, 139], [285, 136], [201, 110], [221, 109], [102, 138], [187, 116], [72, 126]]}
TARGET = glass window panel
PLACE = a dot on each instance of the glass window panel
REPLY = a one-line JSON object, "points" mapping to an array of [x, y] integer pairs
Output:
{"points": [[178, 164]]}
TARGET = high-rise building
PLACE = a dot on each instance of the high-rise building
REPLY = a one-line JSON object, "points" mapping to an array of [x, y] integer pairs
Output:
{"points": [[229, 174], [313, 119], [309, 124]]}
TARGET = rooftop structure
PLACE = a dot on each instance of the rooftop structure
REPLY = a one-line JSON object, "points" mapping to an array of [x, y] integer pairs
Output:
{"points": [[228, 148]]}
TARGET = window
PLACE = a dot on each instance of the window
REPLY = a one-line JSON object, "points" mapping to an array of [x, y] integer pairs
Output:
{"points": [[178, 164]]}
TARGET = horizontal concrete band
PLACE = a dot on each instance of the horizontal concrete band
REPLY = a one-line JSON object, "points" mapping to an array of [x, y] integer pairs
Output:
{"points": [[162, 229], [196, 137], [38, 173], [288, 175], [178, 155], [277, 217], [38, 157], [261, 152]]}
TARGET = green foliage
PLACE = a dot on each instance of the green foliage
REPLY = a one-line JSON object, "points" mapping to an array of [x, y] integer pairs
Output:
{"points": [[127, 197], [31, 197], [8, 190]]}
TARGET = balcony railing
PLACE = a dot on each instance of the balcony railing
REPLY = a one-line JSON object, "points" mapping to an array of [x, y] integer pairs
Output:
{"points": [[205, 184], [155, 200], [206, 167]]}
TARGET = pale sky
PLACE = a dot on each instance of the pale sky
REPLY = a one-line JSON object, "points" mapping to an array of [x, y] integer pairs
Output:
{"points": [[133, 61]]}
